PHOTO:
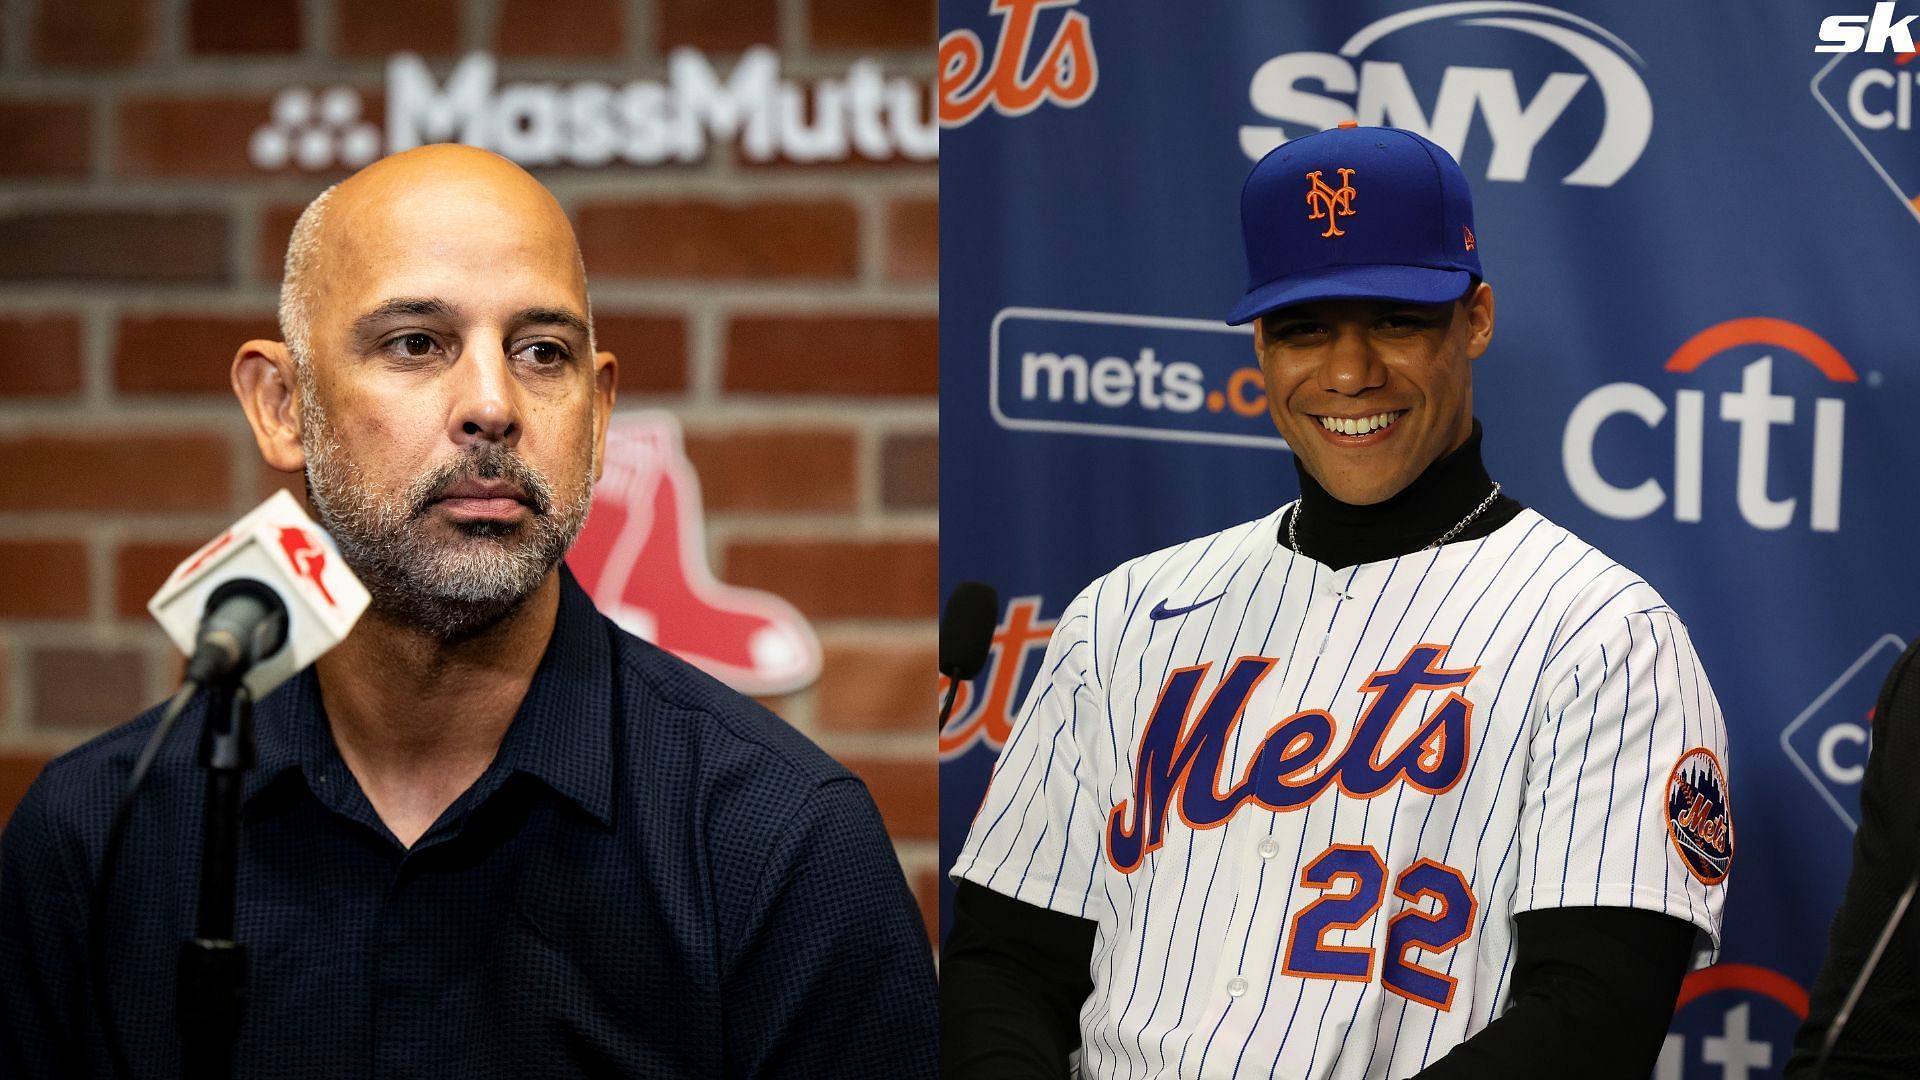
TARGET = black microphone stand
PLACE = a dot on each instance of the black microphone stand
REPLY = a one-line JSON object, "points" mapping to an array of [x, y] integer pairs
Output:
{"points": [[211, 994]]}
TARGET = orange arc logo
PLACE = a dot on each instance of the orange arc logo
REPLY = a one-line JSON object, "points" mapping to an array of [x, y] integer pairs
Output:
{"points": [[1760, 330]]}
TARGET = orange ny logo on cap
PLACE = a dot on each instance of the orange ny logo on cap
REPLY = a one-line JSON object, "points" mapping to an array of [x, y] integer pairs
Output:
{"points": [[1326, 202]]}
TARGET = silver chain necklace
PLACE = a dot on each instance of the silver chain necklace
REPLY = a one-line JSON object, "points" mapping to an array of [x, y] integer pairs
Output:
{"points": [[1293, 522]]}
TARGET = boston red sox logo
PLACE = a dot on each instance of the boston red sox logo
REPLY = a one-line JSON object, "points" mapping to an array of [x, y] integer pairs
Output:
{"points": [[1329, 202], [1292, 767], [308, 559]]}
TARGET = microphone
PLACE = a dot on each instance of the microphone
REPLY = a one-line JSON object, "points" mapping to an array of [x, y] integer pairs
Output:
{"points": [[264, 599], [966, 636]]}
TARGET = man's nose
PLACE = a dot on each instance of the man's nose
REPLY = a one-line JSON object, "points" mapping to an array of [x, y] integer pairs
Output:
{"points": [[1352, 364], [486, 405]]}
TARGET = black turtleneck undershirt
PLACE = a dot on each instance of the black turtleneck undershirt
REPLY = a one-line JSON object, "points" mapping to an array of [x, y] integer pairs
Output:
{"points": [[1593, 988], [1341, 534]]}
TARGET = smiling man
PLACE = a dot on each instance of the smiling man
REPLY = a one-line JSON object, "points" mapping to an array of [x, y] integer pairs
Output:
{"points": [[1401, 779], [490, 834]]}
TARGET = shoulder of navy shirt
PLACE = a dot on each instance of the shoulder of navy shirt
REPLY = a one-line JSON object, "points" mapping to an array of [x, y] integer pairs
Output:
{"points": [[656, 875]]}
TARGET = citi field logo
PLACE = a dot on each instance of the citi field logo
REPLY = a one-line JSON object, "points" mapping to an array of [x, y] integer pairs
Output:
{"points": [[1732, 1022], [1366, 85], [646, 122], [1754, 411], [1828, 741], [1013, 83]]}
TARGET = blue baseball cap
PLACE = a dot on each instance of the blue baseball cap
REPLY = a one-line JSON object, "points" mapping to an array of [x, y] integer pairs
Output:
{"points": [[1355, 213]]}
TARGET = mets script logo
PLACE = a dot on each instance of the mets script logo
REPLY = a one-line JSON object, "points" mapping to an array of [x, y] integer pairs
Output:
{"points": [[1292, 767], [1065, 75], [1698, 818], [308, 559], [1329, 203]]}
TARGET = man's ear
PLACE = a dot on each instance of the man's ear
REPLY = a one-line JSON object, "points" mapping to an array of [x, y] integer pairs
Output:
{"points": [[264, 381], [606, 380], [1479, 321]]}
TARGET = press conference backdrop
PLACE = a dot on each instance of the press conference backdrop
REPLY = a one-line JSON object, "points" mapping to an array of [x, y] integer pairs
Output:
{"points": [[1701, 234]]}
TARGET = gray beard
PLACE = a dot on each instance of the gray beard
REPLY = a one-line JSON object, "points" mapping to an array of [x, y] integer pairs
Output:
{"points": [[446, 589]]}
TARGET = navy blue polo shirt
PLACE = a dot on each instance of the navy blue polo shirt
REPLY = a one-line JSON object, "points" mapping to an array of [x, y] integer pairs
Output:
{"points": [[655, 877]]}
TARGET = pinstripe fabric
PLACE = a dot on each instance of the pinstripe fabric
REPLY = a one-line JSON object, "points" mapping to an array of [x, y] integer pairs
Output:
{"points": [[1580, 691]]}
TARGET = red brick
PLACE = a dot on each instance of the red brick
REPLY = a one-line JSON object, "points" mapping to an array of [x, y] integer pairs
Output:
{"points": [[878, 688], [18, 769], [190, 136], [691, 239], [913, 239], [183, 354], [870, 24], [729, 27], [910, 472], [833, 354], [45, 138], [774, 470], [561, 28], [46, 579], [276, 228], [130, 473], [114, 245], [839, 578], [85, 689], [244, 26], [92, 33], [378, 27], [140, 571], [45, 360], [926, 890], [652, 351], [907, 792]]}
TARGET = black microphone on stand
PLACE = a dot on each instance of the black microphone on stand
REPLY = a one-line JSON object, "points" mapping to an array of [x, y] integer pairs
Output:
{"points": [[1866, 972], [966, 636]]}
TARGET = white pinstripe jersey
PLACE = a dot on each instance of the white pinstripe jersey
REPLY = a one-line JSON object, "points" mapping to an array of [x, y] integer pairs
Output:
{"points": [[1303, 805]]}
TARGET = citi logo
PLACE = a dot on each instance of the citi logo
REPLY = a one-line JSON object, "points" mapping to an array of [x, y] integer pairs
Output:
{"points": [[1351, 85], [1754, 411], [1866, 33]]}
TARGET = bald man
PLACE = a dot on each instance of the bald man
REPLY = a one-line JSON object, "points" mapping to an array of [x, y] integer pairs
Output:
{"points": [[490, 834]]}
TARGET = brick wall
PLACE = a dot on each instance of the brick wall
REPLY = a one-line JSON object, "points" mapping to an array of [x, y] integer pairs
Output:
{"points": [[786, 313]]}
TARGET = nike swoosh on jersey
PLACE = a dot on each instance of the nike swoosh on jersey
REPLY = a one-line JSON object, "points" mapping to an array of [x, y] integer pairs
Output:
{"points": [[1162, 611]]}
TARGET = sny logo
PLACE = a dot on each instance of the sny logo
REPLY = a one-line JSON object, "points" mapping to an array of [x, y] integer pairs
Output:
{"points": [[1869, 33], [1327, 202], [1184, 770]]}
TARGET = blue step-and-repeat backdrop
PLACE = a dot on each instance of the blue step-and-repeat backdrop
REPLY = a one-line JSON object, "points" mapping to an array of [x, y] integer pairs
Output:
{"points": [[1702, 234]]}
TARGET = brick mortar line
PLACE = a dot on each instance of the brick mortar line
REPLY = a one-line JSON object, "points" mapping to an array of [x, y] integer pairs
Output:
{"points": [[19, 525], [103, 545], [815, 527], [190, 73], [97, 341], [869, 472], [317, 21], [85, 633], [706, 349], [15, 16], [791, 18], [14, 723], [872, 634], [170, 31], [81, 420], [643, 32], [903, 747], [622, 296]]}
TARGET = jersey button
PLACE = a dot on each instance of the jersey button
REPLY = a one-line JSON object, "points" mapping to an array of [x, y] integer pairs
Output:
{"points": [[1269, 848], [1236, 986]]}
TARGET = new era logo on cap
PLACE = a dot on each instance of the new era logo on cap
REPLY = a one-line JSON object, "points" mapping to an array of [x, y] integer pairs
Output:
{"points": [[1413, 241]]}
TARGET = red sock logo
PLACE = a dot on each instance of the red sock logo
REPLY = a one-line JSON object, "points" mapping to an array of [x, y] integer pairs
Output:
{"points": [[642, 557]]}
